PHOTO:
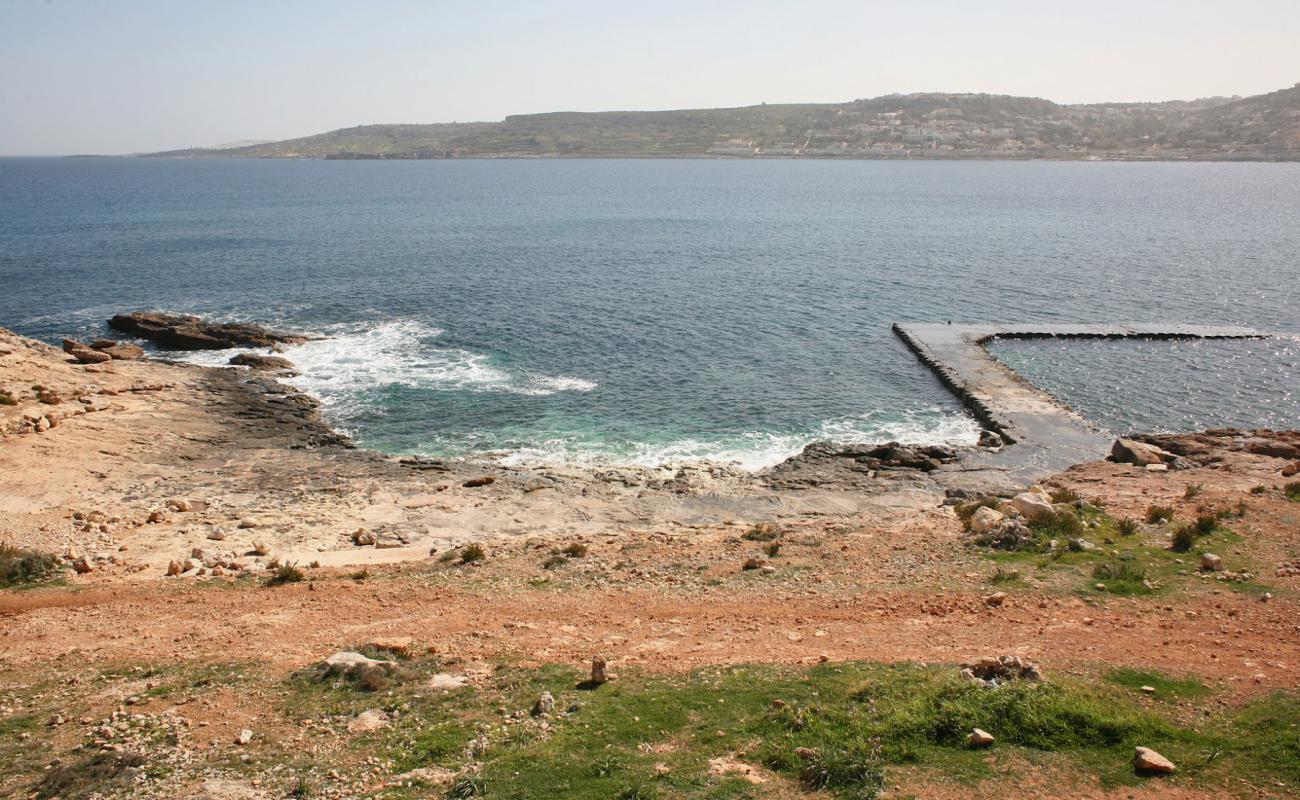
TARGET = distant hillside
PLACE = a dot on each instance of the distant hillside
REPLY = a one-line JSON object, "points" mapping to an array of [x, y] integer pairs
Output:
{"points": [[1265, 127]]}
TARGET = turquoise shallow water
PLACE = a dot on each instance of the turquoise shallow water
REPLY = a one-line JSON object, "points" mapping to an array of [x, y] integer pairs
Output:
{"points": [[649, 311]]}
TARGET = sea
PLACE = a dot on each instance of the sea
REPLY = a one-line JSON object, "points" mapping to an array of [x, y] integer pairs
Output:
{"points": [[652, 312]]}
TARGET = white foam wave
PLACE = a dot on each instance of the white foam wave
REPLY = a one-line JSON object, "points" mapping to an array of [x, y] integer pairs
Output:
{"points": [[346, 367], [757, 450]]}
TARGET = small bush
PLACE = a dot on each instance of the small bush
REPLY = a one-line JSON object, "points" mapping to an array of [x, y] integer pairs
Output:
{"points": [[1292, 491], [360, 575], [1119, 570], [1192, 490], [574, 550], [1065, 496], [1184, 538], [1157, 514], [471, 553], [762, 532], [1206, 523], [19, 566], [285, 573], [554, 560], [771, 549], [1260, 489], [1059, 525], [1127, 526], [7, 399]]}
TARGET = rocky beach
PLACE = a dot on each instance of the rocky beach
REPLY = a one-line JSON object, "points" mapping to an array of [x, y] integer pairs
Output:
{"points": [[206, 520]]}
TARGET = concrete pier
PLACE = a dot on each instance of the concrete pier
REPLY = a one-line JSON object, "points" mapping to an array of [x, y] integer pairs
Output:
{"points": [[1044, 436]]}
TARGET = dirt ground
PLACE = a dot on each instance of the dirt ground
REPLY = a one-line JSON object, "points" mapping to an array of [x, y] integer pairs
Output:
{"points": [[888, 577]]}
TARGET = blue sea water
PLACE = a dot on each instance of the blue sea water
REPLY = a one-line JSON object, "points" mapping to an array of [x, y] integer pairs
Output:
{"points": [[647, 311]]}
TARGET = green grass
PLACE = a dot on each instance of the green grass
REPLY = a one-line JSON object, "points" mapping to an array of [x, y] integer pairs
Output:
{"points": [[835, 727], [19, 567], [1292, 491], [1122, 576], [1166, 688]]}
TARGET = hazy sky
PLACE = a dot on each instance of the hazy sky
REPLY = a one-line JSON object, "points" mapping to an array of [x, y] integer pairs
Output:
{"points": [[114, 76]]}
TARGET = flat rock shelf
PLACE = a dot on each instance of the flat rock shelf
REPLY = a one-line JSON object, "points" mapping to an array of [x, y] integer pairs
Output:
{"points": [[1044, 435]]}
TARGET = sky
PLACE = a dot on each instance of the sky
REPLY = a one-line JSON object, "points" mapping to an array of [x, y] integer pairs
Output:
{"points": [[121, 76]]}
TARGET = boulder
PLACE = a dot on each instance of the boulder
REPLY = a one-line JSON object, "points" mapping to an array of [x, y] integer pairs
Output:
{"points": [[979, 738], [72, 344], [1148, 761], [184, 332], [985, 519], [400, 646], [362, 537], [1271, 447], [102, 344], [262, 363], [1211, 563], [1032, 505], [1291, 470], [124, 352], [472, 483], [995, 599], [1131, 451], [87, 356]]}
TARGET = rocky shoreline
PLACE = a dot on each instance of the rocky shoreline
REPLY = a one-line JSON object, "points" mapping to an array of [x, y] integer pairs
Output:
{"points": [[237, 444]]}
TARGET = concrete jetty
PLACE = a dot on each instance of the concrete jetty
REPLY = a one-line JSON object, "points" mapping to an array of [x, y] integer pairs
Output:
{"points": [[1043, 435]]}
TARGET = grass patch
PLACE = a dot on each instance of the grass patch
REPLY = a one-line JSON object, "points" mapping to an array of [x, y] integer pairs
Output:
{"points": [[1167, 688], [285, 574], [1065, 496], [93, 775], [1192, 490], [1127, 527], [1122, 576], [1292, 491], [19, 566]]}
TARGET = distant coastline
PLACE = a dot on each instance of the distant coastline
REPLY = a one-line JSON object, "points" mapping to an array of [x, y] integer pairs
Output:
{"points": [[931, 126]]}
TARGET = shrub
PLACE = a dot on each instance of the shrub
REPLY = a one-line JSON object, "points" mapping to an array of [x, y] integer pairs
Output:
{"points": [[19, 566], [1292, 491], [7, 399], [554, 560], [1065, 496], [1184, 538], [1192, 490], [762, 532], [574, 550], [360, 575], [1119, 570], [472, 552], [1159, 514], [1127, 526], [1260, 489], [285, 573], [1206, 523], [771, 549], [1059, 525]]}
